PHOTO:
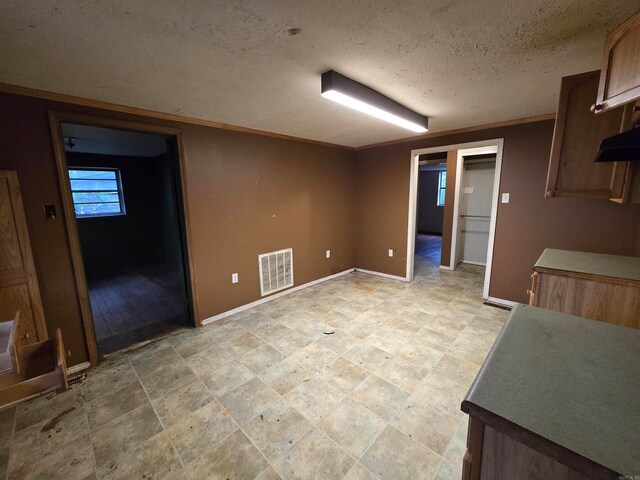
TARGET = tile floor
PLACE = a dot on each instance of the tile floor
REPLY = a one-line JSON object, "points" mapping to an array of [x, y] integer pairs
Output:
{"points": [[266, 394]]}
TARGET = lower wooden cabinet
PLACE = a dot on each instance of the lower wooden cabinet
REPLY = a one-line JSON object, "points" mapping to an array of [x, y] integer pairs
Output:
{"points": [[493, 455], [595, 286]]}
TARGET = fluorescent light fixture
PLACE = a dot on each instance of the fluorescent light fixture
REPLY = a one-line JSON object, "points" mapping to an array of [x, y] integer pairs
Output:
{"points": [[354, 95]]}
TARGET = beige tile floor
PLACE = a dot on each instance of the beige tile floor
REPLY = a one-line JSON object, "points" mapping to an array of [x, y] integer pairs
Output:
{"points": [[266, 394]]}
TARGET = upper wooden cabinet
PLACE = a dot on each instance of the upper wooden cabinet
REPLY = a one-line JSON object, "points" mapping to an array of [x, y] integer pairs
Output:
{"points": [[620, 76], [576, 139]]}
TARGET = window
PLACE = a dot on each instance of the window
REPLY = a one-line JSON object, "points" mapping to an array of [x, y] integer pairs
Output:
{"points": [[97, 192], [442, 183]]}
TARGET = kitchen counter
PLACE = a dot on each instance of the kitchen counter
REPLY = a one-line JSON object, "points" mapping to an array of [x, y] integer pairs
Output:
{"points": [[614, 266], [569, 382]]}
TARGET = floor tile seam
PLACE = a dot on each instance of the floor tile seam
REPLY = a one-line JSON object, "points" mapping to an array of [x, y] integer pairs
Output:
{"points": [[269, 462], [182, 462], [121, 455], [93, 453], [401, 430], [413, 440], [242, 384], [182, 362], [321, 432], [81, 412], [11, 441]]}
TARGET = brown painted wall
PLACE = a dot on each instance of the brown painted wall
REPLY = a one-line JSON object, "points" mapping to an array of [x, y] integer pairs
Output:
{"points": [[248, 194], [525, 227], [449, 197]]}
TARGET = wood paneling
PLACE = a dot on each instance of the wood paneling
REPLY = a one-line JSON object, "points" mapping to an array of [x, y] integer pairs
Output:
{"points": [[18, 283], [506, 459]]}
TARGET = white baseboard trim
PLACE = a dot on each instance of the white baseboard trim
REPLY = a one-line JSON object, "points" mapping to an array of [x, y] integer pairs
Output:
{"points": [[471, 262], [500, 301], [380, 274], [78, 368], [233, 311], [445, 267]]}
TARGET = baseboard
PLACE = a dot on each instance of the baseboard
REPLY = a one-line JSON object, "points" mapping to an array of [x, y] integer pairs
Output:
{"points": [[446, 267], [380, 274], [228, 313], [500, 302], [471, 262], [78, 368]]}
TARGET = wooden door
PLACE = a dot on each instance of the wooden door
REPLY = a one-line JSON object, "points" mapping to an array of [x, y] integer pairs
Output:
{"points": [[576, 140], [18, 283]]}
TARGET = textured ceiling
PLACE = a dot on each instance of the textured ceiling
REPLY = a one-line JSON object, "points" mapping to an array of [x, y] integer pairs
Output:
{"points": [[462, 63]]}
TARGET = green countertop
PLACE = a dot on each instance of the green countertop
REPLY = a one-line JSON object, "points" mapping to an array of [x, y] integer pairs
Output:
{"points": [[615, 266], [574, 381]]}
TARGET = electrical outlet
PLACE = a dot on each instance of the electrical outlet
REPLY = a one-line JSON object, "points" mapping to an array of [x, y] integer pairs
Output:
{"points": [[505, 198], [328, 254], [234, 278], [390, 252]]}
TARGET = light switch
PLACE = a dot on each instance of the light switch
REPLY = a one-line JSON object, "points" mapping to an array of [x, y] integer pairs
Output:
{"points": [[505, 198], [234, 278], [468, 190], [390, 252], [328, 254]]}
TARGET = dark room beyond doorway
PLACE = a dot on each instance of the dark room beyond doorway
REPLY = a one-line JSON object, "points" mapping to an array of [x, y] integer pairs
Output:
{"points": [[125, 190]]}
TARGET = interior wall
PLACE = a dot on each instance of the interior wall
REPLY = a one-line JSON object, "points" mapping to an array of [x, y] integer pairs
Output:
{"points": [[247, 194], [121, 243], [525, 226], [449, 200], [430, 214]]}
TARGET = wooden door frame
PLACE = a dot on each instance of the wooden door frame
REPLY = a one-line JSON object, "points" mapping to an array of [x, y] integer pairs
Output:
{"points": [[56, 119]]}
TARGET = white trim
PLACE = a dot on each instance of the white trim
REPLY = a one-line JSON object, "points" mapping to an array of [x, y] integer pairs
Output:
{"points": [[493, 221], [501, 302], [453, 260], [380, 274], [413, 205], [78, 368], [411, 231], [471, 262], [233, 311]]}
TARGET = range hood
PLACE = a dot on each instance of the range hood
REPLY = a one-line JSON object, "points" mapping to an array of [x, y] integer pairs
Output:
{"points": [[624, 147]]}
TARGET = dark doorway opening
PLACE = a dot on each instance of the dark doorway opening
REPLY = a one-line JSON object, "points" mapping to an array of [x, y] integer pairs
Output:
{"points": [[432, 178], [129, 215]]}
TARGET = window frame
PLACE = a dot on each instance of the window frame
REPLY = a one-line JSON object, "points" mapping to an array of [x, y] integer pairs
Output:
{"points": [[441, 188], [120, 191]]}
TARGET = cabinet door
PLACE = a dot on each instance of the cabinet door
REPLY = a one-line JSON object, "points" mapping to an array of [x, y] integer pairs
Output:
{"points": [[620, 76], [18, 283], [576, 139]]}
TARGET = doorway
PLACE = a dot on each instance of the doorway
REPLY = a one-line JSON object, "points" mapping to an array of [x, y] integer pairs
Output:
{"points": [[124, 194], [432, 177], [464, 238], [477, 178]]}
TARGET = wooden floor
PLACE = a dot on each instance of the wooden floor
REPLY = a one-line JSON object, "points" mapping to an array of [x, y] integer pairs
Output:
{"points": [[133, 307], [430, 247]]}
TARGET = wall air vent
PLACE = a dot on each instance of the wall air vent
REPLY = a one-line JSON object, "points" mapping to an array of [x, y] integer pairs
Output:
{"points": [[276, 271]]}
